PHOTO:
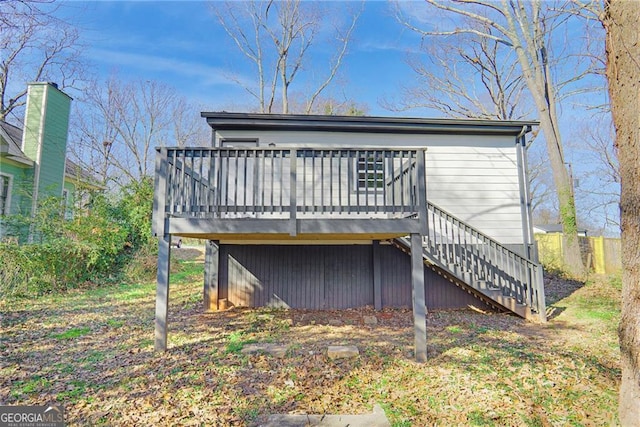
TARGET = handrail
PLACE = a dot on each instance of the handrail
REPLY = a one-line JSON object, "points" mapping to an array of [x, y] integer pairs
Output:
{"points": [[473, 256], [287, 181]]}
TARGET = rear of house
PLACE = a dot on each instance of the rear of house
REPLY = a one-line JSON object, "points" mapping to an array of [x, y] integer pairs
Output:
{"points": [[312, 212]]}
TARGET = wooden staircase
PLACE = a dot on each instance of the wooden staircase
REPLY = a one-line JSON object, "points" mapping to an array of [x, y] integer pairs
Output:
{"points": [[481, 266]]}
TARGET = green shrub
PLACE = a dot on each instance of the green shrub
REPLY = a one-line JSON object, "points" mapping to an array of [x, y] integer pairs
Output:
{"points": [[62, 254]]}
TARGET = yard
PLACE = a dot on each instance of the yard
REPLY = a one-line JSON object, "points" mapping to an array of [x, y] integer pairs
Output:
{"points": [[92, 350]]}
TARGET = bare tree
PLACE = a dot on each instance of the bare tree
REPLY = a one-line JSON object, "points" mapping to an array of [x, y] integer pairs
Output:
{"points": [[326, 105], [277, 38], [125, 121], [476, 77], [599, 185], [526, 28], [34, 45], [622, 20]]}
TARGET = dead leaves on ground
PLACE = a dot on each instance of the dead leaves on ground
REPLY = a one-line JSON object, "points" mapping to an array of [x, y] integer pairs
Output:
{"points": [[483, 369]]}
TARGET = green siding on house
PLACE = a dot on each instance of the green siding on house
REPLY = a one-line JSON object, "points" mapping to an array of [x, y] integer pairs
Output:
{"points": [[47, 120], [33, 120], [21, 182]]}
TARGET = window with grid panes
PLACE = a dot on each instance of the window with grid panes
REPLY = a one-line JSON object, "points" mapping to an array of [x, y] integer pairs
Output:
{"points": [[5, 188], [370, 172]]}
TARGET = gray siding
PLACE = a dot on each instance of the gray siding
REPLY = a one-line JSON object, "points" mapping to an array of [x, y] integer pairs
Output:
{"points": [[473, 177], [326, 277], [396, 284]]}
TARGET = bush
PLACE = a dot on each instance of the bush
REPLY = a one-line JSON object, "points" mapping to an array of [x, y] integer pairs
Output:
{"points": [[63, 254]]}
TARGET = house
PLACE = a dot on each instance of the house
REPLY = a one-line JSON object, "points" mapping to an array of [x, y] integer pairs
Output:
{"points": [[555, 228], [33, 160], [334, 212]]}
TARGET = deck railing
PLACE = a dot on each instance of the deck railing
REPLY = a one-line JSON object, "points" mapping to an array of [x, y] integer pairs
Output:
{"points": [[481, 260], [289, 182]]}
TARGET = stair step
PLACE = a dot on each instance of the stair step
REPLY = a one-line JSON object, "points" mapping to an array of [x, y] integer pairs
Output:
{"points": [[483, 285], [477, 281]]}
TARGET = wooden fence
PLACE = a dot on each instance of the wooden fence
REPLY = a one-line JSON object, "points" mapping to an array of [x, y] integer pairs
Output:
{"points": [[600, 254]]}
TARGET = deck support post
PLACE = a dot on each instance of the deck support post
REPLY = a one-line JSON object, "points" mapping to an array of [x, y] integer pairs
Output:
{"points": [[211, 275], [538, 282], [418, 297], [377, 280], [162, 292]]}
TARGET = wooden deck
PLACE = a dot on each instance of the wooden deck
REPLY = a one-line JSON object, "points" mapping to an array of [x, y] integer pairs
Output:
{"points": [[294, 195], [230, 193], [290, 194]]}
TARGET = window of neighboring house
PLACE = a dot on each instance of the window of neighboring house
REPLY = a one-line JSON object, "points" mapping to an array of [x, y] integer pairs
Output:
{"points": [[239, 142], [5, 194], [68, 213], [370, 173]]}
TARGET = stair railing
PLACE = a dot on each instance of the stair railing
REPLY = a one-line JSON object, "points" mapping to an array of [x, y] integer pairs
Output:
{"points": [[481, 261]]}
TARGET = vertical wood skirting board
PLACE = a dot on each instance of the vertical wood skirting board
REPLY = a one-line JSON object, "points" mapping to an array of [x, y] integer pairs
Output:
{"points": [[223, 272], [211, 275], [162, 292], [419, 305], [377, 279]]}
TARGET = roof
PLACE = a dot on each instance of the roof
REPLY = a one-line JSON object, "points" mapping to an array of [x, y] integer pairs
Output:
{"points": [[556, 228], [75, 171], [12, 135], [369, 124]]}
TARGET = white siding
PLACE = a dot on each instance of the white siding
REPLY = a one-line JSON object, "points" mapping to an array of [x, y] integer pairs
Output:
{"points": [[473, 177]]}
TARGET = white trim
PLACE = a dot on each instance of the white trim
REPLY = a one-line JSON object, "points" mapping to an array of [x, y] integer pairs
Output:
{"points": [[7, 204]]}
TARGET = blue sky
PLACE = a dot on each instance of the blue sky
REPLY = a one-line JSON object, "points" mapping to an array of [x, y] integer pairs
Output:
{"points": [[182, 44]]}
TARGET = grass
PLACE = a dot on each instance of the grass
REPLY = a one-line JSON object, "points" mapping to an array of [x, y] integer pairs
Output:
{"points": [[72, 333], [97, 359]]}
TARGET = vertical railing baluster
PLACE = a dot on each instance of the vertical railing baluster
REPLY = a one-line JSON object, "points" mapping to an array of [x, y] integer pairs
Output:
{"points": [[279, 176], [340, 181], [200, 182], [332, 178], [272, 184], [293, 192]]}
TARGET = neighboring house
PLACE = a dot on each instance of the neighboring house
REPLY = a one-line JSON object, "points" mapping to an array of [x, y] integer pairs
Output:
{"points": [[555, 228], [33, 160], [321, 212]]}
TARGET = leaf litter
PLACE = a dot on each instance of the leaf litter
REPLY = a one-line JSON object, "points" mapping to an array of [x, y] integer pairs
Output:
{"points": [[483, 369]]}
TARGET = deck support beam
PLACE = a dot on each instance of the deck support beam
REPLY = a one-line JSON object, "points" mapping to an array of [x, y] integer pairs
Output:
{"points": [[162, 292], [418, 297], [211, 275]]}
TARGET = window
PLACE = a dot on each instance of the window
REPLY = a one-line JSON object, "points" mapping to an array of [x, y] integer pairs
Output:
{"points": [[238, 143], [5, 194], [68, 213], [370, 172]]}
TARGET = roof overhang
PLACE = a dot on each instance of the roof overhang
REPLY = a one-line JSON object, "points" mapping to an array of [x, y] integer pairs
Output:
{"points": [[18, 159], [74, 179], [364, 124]]}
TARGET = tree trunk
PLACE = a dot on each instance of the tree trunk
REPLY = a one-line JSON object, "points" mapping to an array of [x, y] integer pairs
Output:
{"points": [[622, 20], [564, 191]]}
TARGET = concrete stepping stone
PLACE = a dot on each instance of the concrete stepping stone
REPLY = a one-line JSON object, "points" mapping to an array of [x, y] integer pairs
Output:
{"points": [[370, 320], [342, 351], [375, 419]]}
